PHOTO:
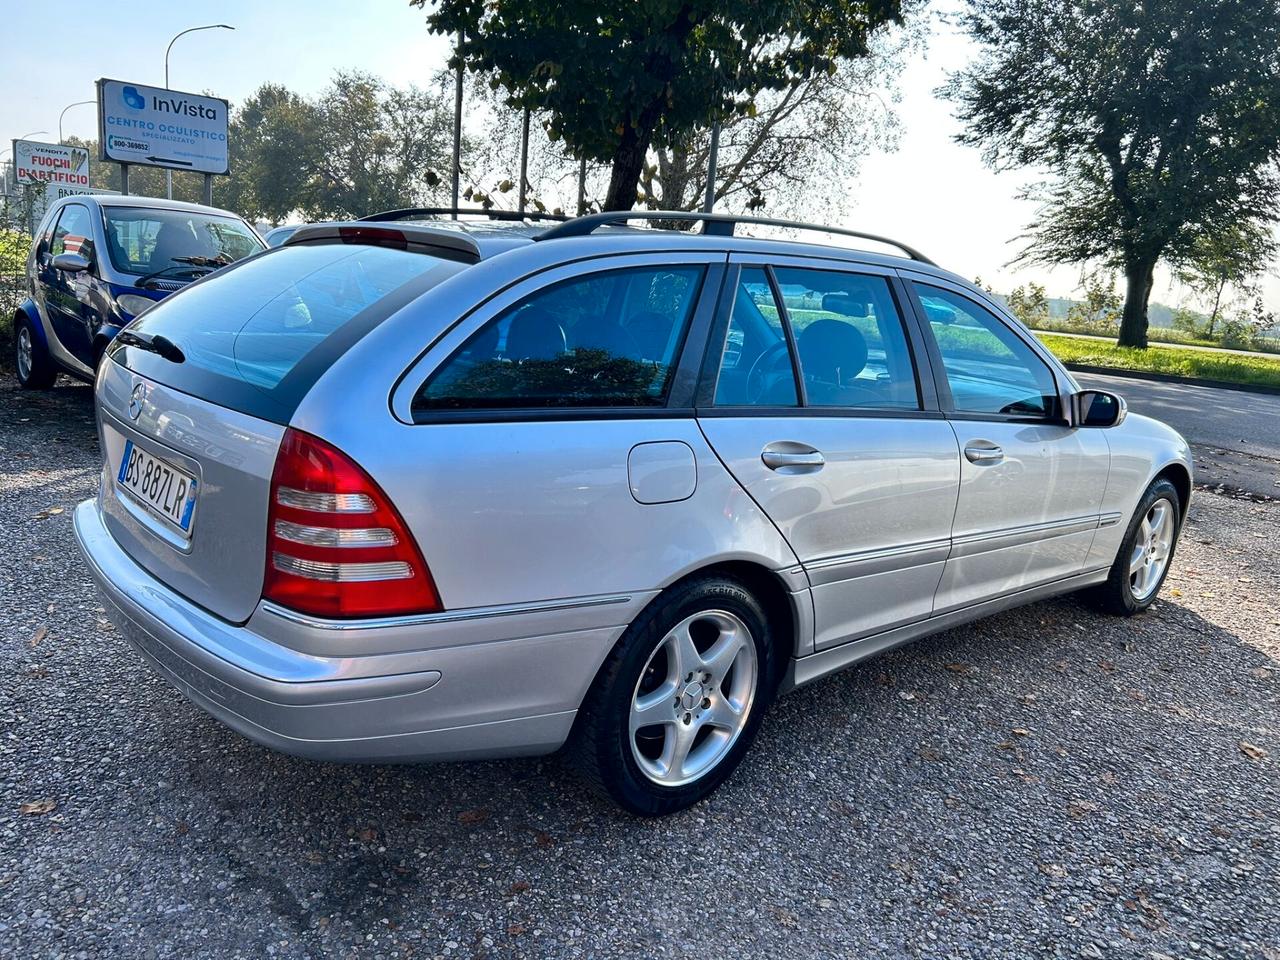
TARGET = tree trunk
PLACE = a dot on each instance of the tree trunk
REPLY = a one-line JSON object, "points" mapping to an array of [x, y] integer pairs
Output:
{"points": [[628, 162], [1139, 276]]}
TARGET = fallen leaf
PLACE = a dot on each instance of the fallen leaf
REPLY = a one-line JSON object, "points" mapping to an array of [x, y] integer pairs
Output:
{"points": [[826, 903], [368, 834], [1252, 750], [520, 886], [1021, 732], [928, 753], [472, 817], [516, 930], [41, 632], [1262, 673], [959, 667], [1080, 808], [37, 808], [543, 839]]}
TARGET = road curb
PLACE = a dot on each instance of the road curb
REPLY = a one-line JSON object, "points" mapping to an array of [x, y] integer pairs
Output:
{"points": [[1173, 378]]}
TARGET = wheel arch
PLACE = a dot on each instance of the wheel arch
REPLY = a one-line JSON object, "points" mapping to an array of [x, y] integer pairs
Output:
{"points": [[27, 310], [789, 620], [1177, 474]]}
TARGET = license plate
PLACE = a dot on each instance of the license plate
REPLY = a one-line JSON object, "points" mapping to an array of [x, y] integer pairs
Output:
{"points": [[158, 485]]}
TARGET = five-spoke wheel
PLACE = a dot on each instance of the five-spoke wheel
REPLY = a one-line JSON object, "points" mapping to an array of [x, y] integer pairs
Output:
{"points": [[678, 702], [693, 698]]}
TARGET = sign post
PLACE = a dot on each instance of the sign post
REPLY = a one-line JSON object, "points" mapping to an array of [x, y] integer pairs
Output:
{"points": [[156, 127]]}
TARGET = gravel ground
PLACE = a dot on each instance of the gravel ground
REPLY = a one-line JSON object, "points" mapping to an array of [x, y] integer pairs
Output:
{"points": [[1049, 782]]}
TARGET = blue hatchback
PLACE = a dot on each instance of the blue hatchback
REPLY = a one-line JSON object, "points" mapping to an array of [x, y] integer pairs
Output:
{"points": [[98, 261]]}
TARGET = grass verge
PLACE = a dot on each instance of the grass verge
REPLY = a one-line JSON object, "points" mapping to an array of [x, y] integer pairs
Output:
{"points": [[1197, 364]]}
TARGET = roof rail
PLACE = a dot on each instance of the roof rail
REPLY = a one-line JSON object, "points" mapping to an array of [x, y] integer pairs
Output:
{"points": [[715, 224], [410, 212]]}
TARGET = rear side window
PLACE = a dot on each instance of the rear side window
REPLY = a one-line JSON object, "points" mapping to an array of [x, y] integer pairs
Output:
{"points": [[271, 325], [850, 339], [755, 368], [608, 339]]}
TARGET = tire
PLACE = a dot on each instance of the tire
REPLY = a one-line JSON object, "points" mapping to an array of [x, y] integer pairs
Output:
{"points": [[31, 360], [708, 710], [1151, 539]]}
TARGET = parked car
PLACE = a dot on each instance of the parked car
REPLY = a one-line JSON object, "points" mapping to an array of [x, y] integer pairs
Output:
{"points": [[419, 491], [98, 261], [279, 235]]}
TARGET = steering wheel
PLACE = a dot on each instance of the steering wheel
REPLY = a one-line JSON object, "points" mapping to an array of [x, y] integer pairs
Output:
{"points": [[758, 377]]}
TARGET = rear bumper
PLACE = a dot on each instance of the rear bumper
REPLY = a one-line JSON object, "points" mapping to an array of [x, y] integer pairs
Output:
{"points": [[499, 696]]}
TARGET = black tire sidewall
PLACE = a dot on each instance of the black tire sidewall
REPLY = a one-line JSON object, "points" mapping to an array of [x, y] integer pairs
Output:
{"points": [[42, 373], [1118, 585], [609, 713]]}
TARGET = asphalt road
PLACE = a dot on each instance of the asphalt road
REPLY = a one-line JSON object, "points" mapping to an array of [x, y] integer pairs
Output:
{"points": [[1050, 783], [1235, 434]]}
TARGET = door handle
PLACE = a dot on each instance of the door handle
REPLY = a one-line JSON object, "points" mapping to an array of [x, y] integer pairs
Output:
{"points": [[981, 452], [790, 457]]}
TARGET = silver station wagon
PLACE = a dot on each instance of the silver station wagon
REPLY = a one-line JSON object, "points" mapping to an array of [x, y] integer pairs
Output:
{"points": [[422, 490]]}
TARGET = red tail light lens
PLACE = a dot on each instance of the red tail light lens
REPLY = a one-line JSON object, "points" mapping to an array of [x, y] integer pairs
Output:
{"points": [[336, 547]]}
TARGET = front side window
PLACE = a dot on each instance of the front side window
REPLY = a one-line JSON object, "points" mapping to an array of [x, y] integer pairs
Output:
{"points": [[74, 232], [147, 240], [850, 339], [607, 339], [989, 368]]}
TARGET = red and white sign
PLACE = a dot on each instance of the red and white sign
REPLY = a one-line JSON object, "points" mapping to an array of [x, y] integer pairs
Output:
{"points": [[54, 163]]}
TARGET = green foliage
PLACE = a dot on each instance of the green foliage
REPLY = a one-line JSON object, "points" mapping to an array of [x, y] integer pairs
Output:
{"points": [[615, 77], [1199, 364], [1030, 304], [14, 246], [582, 376], [1159, 124], [1099, 312]]}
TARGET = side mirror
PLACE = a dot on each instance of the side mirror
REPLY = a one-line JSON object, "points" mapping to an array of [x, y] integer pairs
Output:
{"points": [[1097, 408], [70, 262]]}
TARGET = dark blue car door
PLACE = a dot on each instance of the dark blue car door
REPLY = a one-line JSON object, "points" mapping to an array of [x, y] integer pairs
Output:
{"points": [[68, 295]]}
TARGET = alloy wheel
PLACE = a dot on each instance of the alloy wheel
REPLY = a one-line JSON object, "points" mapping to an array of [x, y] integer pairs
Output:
{"points": [[26, 353], [1151, 550], [694, 698]]}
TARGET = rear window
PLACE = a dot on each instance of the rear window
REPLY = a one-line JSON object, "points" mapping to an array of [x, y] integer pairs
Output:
{"points": [[258, 335]]}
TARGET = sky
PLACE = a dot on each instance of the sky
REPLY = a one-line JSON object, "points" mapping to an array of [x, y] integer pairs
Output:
{"points": [[931, 192]]}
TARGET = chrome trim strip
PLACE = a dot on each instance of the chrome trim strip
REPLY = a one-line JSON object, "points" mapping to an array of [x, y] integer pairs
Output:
{"points": [[445, 616], [975, 543], [1110, 519], [864, 563]]}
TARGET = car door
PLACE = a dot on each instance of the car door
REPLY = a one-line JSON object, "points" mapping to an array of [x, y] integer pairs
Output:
{"points": [[811, 398], [1030, 485], [67, 294]]}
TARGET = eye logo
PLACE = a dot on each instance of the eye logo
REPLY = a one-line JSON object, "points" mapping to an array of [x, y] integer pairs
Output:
{"points": [[133, 99]]}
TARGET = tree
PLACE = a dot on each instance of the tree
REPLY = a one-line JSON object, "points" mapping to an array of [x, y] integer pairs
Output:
{"points": [[1224, 260], [1159, 123], [1030, 304], [617, 77]]}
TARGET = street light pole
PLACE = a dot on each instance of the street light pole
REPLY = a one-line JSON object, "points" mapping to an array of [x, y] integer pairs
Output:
{"points": [[78, 103], [168, 174]]}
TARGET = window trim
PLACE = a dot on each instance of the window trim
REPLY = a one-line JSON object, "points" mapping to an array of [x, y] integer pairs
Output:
{"points": [[917, 346], [943, 386], [684, 362]]}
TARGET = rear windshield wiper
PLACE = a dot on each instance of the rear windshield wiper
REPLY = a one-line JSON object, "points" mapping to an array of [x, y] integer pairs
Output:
{"points": [[157, 343], [195, 268]]}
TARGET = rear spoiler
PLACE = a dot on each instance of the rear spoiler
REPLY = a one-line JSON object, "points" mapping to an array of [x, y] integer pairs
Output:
{"points": [[416, 238]]}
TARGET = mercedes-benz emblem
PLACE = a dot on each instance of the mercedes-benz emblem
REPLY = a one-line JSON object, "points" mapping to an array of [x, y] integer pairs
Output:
{"points": [[136, 401]]}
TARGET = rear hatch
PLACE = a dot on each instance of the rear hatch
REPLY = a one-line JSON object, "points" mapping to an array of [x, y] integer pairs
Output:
{"points": [[195, 396]]}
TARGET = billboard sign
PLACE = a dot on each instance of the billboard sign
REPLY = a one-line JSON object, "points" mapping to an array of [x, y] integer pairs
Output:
{"points": [[56, 191], [155, 127], [35, 162]]}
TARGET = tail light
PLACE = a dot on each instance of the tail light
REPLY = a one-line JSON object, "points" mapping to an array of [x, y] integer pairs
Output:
{"points": [[336, 547]]}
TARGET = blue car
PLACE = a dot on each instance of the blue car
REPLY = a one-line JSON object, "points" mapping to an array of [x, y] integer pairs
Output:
{"points": [[98, 261]]}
